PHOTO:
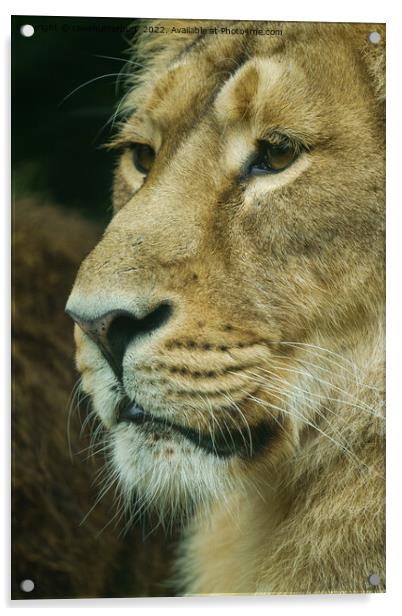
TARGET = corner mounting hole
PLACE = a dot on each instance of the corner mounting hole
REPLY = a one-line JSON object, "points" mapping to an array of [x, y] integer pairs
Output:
{"points": [[27, 30], [374, 37], [27, 585], [374, 579]]}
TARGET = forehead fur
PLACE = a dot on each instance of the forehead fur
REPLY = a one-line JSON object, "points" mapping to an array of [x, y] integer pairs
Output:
{"points": [[315, 82], [154, 54]]}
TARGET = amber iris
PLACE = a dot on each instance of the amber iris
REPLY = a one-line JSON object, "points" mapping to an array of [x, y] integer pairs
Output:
{"points": [[143, 157], [272, 158]]}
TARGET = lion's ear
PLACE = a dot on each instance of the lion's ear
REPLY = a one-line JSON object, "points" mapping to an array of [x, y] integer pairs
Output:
{"points": [[373, 53]]}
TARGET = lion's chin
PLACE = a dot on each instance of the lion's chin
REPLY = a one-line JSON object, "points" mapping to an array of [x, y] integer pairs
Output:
{"points": [[165, 472]]}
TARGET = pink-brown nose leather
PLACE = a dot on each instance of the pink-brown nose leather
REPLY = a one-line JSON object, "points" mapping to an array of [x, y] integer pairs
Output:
{"points": [[115, 330]]}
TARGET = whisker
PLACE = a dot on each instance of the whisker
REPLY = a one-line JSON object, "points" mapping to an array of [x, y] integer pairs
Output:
{"points": [[306, 421], [124, 60], [101, 495], [87, 83], [304, 363], [332, 353], [71, 404], [233, 403], [293, 387], [359, 404]]}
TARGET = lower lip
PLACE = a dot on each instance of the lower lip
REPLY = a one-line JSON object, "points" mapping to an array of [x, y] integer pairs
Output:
{"points": [[231, 446], [131, 412]]}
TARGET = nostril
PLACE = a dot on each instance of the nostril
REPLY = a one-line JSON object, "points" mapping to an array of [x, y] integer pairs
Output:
{"points": [[115, 330], [125, 327]]}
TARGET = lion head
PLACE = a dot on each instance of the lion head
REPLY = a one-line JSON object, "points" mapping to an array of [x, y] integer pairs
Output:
{"points": [[246, 245]]}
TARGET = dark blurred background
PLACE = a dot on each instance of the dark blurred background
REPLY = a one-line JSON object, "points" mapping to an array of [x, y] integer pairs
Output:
{"points": [[57, 134]]}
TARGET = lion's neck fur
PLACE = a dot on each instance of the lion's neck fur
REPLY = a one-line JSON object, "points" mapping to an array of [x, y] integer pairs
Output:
{"points": [[309, 523]]}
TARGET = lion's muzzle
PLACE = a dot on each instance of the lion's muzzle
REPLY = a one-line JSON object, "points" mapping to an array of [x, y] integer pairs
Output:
{"points": [[115, 330]]}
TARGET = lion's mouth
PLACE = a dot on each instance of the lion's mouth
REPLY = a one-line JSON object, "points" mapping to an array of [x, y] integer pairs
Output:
{"points": [[244, 442]]}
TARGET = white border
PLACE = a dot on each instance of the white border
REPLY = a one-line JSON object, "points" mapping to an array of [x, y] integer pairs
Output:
{"points": [[291, 10]]}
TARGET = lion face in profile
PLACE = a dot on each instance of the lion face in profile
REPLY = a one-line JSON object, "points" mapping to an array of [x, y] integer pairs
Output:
{"points": [[244, 256]]}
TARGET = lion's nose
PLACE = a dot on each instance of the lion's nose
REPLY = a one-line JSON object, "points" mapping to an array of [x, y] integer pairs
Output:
{"points": [[115, 330]]}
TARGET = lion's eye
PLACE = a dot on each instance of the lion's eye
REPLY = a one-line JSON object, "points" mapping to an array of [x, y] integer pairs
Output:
{"points": [[143, 157], [272, 158]]}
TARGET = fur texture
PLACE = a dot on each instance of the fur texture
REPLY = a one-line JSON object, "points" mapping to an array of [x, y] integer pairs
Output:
{"points": [[276, 285]]}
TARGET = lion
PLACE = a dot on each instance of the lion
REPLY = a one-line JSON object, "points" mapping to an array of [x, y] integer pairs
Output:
{"points": [[229, 325]]}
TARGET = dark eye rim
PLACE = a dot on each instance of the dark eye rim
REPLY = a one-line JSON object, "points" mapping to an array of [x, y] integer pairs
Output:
{"points": [[258, 166], [134, 148]]}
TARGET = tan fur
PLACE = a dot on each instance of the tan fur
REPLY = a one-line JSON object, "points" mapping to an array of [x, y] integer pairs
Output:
{"points": [[277, 288]]}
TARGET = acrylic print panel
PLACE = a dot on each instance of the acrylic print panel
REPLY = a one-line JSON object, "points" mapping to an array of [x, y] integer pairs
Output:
{"points": [[198, 351]]}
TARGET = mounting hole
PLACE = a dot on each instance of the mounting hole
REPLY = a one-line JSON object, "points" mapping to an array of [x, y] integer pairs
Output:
{"points": [[27, 30], [27, 585], [374, 579], [374, 37]]}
